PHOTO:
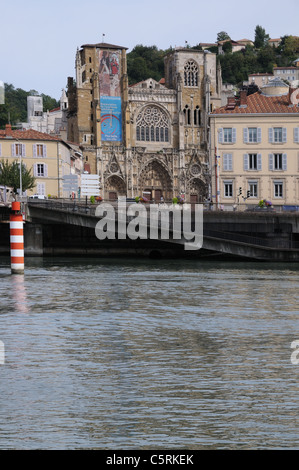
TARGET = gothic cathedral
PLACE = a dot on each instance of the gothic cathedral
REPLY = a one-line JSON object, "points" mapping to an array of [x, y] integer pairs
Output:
{"points": [[149, 139]]}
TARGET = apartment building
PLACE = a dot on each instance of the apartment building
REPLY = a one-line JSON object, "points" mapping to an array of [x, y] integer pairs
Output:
{"points": [[48, 156], [254, 147]]}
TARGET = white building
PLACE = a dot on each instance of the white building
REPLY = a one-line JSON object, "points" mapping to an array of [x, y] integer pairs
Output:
{"points": [[50, 122]]}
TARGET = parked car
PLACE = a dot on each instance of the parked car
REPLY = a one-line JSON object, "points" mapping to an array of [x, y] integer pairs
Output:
{"points": [[38, 196]]}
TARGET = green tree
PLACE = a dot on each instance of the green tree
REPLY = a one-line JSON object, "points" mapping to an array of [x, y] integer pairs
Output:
{"points": [[266, 59], [49, 103], [222, 36], [145, 62], [10, 175], [227, 47], [289, 47], [261, 38]]}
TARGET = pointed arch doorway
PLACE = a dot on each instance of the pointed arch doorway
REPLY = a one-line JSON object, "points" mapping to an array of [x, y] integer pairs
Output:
{"points": [[197, 190], [115, 187], [155, 182]]}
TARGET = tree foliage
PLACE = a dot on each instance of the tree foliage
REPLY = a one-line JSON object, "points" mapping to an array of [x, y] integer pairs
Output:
{"points": [[261, 38], [10, 175], [222, 36], [145, 62]]}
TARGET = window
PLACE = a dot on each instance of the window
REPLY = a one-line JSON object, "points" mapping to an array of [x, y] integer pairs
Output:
{"points": [[187, 113], [277, 161], [152, 125], [277, 135], [18, 150], [227, 162], [278, 189], [228, 188], [41, 189], [40, 170], [253, 188], [197, 116], [296, 134], [227, 135], [252, 161], [252, 135], [191, 74], [39, 150]]}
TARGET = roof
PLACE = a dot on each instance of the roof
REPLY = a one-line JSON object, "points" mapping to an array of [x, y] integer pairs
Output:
{"points": [[258, 103], [287, 67], [104, 45], [30, 134], [234, 43], [260, 74]]}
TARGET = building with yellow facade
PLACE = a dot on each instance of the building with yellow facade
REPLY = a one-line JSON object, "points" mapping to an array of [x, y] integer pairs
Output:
{"points": [[48, 156], [254, 147]]}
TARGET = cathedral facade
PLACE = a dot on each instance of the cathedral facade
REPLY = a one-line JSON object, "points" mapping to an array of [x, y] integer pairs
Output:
{"points": [[150, 139]]}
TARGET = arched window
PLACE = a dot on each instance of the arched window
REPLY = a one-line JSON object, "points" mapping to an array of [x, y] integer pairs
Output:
{"points": [[191, 74], [152, 125], [187, 113], [197, 116]]}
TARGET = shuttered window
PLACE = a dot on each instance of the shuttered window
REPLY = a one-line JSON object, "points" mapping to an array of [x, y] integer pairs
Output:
{"points": [[277, 135], [227, 162], [40, 170], [39, 150], [227, 135]]}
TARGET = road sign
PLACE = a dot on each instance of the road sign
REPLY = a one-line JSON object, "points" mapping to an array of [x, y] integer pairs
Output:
{"points": [[90, 185], [70, 183]]}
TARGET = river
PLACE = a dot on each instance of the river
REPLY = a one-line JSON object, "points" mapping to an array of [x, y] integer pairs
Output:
{"points": [[148, 354]]}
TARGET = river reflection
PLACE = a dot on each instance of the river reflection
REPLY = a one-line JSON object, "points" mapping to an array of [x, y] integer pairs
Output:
{"points": [[126, 354]]}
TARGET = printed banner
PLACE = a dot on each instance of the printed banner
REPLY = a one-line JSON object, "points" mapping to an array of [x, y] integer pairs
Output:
{"points": [[111, 118], [109, 73]]}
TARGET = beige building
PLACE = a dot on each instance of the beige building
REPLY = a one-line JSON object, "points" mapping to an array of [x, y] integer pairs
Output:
{"points": [[255, 147], [149, 139], [48, 156]]}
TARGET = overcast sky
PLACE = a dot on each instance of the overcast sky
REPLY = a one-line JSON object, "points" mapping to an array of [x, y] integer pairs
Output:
{"points": [[39, 39]]}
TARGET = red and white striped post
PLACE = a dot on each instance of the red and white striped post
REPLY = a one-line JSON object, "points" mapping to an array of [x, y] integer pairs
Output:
{"points": [[16, 239]]}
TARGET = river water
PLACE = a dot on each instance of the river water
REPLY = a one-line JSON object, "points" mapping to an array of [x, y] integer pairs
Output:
{"points": [[148, 354]]}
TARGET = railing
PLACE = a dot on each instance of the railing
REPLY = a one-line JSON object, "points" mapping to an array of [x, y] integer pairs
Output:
{"points": [[76, 206], [243, 207]]}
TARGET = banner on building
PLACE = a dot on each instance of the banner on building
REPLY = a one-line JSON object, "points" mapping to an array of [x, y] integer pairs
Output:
{"points": [[111, 118], [110, 95], [109, 72]]}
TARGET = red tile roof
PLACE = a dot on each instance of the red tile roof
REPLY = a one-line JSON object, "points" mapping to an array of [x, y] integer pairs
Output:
{"points": [[29, 134], [258, 103]]}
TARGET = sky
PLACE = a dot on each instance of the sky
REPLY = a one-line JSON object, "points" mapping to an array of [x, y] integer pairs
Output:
{"points": [[39, 39]]}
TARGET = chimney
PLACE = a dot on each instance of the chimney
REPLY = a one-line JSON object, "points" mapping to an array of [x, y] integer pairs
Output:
{"points": [[243, 98], [231, 102], [8, 130]]}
